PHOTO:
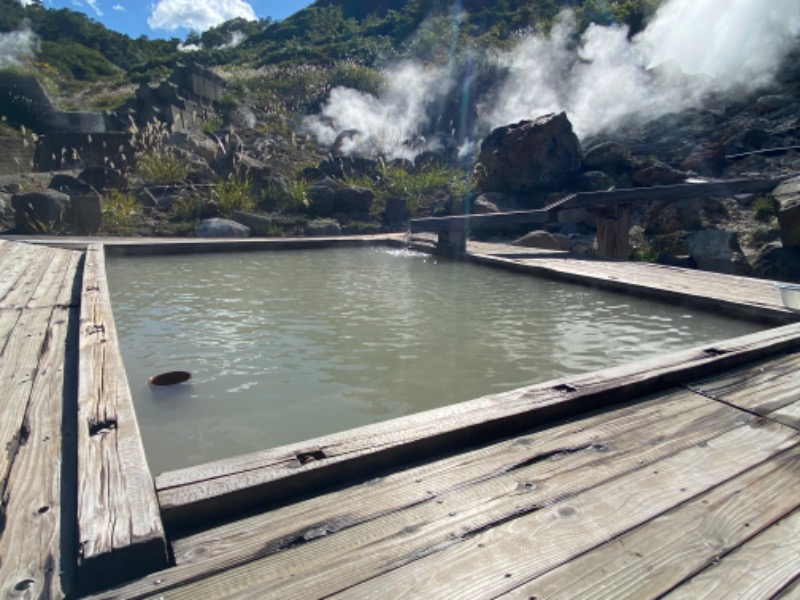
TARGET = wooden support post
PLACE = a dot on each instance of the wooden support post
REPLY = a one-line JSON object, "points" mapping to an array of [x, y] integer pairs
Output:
{"points": [[613, 228], [119, 521]]}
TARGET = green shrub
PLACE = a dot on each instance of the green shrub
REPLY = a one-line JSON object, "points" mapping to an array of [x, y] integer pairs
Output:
{"points": [[765, 208], [235, 193], [154, 162], [120, 212], [646, 252], [297, 199]]}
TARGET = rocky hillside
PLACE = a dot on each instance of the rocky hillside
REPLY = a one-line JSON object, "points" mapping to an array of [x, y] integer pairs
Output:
{"points": [[336, 121]]}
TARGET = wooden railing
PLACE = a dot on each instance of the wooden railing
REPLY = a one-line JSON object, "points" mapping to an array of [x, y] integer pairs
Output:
{"points": [[612, 208]]}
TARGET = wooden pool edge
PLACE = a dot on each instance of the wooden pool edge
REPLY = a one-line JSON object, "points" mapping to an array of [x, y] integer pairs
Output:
{"points": [[119, 522], [216, 491], [212, 492]]}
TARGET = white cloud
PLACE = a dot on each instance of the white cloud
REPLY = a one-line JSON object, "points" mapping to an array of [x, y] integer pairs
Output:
{"points": [[197, 15], [95, 8], [26, 2], [77, 3], [118, 7]]}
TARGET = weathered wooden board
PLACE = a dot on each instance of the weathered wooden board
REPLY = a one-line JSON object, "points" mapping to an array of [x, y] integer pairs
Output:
{"points": [[463, 543], [37, 371], [64, 261], [503, 557], [762, 568], [788, 415], [8, 321], [761, 388], [210, 491], [31, 544], [40, 263], [13, 265], [661, 554], [737, 297], [661, 425], [120, 529]]}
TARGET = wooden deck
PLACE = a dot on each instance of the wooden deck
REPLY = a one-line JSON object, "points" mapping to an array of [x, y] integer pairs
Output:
{"points": [[693, 491], [677, 476]]}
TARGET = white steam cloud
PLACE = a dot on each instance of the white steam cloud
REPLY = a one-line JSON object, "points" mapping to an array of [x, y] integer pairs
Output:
{"points": [[689, 49], [16, 46], [390, 124]]}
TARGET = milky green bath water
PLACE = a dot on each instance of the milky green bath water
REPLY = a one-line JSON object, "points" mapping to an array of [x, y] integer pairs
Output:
{"points": [[286, 346]]}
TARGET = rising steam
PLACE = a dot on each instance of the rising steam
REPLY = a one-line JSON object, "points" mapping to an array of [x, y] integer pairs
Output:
{"points": [[18, 46], [689, 49]]}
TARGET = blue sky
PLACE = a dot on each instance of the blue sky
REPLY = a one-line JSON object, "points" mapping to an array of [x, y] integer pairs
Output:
{"points": [[174, 18]]}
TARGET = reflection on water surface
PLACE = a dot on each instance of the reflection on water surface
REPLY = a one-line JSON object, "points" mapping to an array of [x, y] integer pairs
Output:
{"points": [[285, 346]]}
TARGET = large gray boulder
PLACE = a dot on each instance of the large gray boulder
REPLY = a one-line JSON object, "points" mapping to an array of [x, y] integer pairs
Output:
{"points": [[85, 213], [222, 228], [104, 178], [665, 217], [353, 200], [544, 240], [39, 212], [607, 156], [717, 250], [709, 161], [530, 156], [658, 174], [788, 195], [396, 211], [323, 228]]}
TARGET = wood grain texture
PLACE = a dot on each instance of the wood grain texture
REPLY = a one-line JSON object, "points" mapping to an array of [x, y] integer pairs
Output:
{"points": [[503, 557], [762, 388], [36, 368], [225, 487], [120, 530], [333, 542], [665, 424], [764, 567], [738, 297], [661, 554]]}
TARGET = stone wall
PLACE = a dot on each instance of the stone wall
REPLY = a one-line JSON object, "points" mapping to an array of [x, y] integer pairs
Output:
{"points": [[55, 151]]}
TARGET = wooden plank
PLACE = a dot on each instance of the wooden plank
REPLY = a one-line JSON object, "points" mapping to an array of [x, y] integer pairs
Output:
{"points": [[788, 415], [8, 321], [19, 363], [763, 568], [12, 266], [462, 544], [224, 487], [33, 555], [33, 374], [658, 556], [120, 529], [63, 264], [664, 285], [39, 263], [762, 388], [665, 424], [501, 558]]}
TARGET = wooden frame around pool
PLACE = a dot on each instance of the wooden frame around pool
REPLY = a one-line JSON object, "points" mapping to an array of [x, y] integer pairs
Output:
{"points": [[124, 515]]}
